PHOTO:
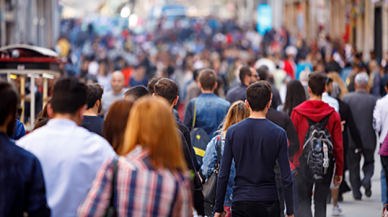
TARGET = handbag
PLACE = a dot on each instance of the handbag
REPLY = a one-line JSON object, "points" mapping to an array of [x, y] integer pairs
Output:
{"points": [[111, 210], [210, 186]]}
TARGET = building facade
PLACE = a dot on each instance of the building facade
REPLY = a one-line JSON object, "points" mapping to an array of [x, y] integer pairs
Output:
{"points": [[33, 22], [362, 23]]}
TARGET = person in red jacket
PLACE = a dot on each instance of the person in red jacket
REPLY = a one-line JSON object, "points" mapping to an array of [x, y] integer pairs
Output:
{"points": [[316, 110]]}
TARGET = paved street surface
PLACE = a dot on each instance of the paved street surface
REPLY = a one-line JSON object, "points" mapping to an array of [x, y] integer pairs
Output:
{"points": [[367, 207]]}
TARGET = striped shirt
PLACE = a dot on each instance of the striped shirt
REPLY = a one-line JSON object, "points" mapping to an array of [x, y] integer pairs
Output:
{"points": [[140, 189]]}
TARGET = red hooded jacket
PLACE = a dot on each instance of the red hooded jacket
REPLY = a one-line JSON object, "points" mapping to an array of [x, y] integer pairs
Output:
{"points": [[316, 111]]}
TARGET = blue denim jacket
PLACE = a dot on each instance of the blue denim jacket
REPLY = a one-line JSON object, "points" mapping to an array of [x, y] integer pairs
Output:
{"points": [[22, 187], [208, 166], [210, 112]]}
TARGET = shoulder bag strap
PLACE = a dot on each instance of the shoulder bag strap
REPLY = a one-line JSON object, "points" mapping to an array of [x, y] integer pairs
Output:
{"points": [[114, 180], [218, 147], [195, 112]]}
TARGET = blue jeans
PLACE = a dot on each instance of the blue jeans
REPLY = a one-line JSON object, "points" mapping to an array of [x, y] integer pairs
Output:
{"points": [[383, 187]]}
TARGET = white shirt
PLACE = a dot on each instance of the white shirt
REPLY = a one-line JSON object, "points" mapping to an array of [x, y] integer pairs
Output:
{"points": [[331, 101], [70, 157], [380, 117]]}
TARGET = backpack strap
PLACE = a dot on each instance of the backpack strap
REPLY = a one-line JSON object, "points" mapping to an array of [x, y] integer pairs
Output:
{"points": [[325, 120], [322, 123], [218, 147], [195, 113]]}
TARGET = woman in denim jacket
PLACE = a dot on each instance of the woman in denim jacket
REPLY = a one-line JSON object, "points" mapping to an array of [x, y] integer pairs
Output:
{"points": [[237, 112]]}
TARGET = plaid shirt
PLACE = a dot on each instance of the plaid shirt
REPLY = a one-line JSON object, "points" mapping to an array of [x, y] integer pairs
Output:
{"points": [[384, 147], [140, 189]]}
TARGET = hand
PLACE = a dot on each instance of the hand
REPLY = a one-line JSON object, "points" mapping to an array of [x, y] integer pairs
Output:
{"points": [[337, 180], [343, 125], [217, 214], [290, 215]]}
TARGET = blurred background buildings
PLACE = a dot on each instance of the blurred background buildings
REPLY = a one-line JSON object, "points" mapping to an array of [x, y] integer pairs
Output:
{"points": [[362, 23]]}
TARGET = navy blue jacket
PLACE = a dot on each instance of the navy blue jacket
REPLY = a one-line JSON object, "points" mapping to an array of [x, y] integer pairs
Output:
{"points": [[22, 187]]}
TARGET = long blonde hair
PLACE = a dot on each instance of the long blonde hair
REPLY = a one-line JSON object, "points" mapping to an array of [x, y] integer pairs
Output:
{"points": [[151, 125], [336, 78], [237, 112]]}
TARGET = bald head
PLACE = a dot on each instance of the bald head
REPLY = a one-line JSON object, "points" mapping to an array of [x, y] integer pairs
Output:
{"points": [[117, 82]]}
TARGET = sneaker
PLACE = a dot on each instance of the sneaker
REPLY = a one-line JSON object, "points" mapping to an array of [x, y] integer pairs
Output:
{"points": [[337, 211]]}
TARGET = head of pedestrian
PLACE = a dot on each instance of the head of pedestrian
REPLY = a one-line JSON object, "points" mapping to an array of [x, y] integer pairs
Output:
{"points": [[151, 126], [238, 111], [151, 84], [248, 75], [262, 71], [134, 93], [68, 100], [167, 89], [259, 98], [361, 81], [93, 100], [317, 85], [329, 85], [117, 82], [8, 107], [116, 122], [296, 94], [207, 81]]}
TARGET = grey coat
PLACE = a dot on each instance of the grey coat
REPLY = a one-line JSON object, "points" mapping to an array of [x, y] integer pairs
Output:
{"points": [[362, 104]]}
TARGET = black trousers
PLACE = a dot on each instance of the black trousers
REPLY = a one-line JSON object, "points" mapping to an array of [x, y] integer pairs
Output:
{"points": [[256, 209], [305, 190], [354, 169]]}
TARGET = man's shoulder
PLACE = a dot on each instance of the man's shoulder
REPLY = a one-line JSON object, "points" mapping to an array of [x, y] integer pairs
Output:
{"points": [[383, 100], [20, 153]]}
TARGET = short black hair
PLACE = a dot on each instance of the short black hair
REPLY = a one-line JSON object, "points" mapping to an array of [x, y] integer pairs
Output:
{"points": [[8, 106], [328, 80], [95, 92], [167, 89], [151, 84], [136, 92], [263, 73], [258, 95], [207, 79], [317, 83], [244, 71], [69, 95], [195, 74]]}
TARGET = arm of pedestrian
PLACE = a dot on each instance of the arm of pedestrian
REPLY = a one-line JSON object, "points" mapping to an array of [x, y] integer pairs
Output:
{"points": [[343, 126], [338, 149], [285, 171], [209, 159], [97, 200], [188, 120], [377, 117], [337, 180], [223, 177], [37, 203], [354, 133]]}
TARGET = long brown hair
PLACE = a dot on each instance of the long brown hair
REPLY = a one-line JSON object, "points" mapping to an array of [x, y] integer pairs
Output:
{"points": [[151, 125], [116, 122], [336, 78], [237, 112]]}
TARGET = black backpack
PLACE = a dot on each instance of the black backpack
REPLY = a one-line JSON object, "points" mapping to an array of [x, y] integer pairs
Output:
{"points": [[317, 160], [199, 138]]}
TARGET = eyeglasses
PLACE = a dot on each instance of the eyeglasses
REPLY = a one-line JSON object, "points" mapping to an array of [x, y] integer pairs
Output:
{"points": [[256, 75]]}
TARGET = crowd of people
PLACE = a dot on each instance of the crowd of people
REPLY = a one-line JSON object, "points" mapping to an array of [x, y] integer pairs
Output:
{"points": [[206, 118]]}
